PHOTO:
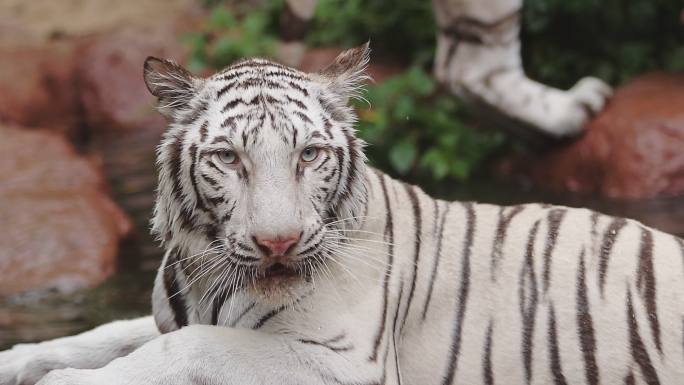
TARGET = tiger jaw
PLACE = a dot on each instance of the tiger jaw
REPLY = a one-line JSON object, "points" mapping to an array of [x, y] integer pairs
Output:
{"points": [[273, 281]]}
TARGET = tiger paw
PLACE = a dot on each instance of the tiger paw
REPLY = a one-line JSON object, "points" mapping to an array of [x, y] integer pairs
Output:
{"points": [[26, 364], [585, 99]]}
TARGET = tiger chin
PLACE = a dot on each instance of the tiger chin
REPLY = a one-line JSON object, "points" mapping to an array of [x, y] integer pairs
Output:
{"points": [[289, 261]]}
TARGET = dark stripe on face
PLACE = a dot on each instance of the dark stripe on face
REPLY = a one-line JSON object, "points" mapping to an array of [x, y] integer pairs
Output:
{"points": [[296, 102], [555, 218], [193, 178], [298, 88], [505, 219], [215, 167], [646, 283], [417, 221], [186, 217], [609, 238], [487, 373], [639, 352], [175, 298], [585, 326], [554, 351], [203, 131], [437, 257], [212, 182], [462, 294], [193, 116], [528, 295], [303, 117], [389, 238]]}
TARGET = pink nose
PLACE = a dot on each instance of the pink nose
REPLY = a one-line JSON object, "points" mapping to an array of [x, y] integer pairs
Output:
{"points": [[277, 247]]}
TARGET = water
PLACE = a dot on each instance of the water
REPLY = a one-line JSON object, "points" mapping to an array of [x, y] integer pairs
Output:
{"points": [[129, 161]]}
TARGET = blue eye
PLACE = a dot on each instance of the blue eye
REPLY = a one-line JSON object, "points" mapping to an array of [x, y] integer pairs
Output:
{"points": [[309, 154], [227, 157]]}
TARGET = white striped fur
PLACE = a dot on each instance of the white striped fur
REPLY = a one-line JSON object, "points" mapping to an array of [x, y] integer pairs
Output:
{"points": [[422, 291]]}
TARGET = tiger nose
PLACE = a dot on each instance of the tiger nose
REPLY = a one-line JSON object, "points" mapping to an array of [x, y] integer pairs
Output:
{"points": [[278, 246]]}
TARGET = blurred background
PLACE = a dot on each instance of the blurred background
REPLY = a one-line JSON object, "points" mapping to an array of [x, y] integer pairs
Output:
{"points": [[78, 129]]}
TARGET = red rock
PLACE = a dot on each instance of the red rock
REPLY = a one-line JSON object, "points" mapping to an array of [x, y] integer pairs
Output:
{"points": [[37, 86], [633, 149], [112, 90], [60, 229]]}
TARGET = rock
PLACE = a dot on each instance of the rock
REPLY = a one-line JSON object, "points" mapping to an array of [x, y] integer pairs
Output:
{"points": [[633, 149], [60, 229], [37, 86], [112, 91], [45, 19]]}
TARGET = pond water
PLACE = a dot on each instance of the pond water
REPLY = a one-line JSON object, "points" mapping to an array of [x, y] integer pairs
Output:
{"points": [[127, 293]]}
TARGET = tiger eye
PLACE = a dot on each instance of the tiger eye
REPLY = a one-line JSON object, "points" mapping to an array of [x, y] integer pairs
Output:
{"points": [[309, 154], [227, 157]]}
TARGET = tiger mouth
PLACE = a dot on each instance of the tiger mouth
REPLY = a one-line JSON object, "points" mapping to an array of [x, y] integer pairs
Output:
{"points": [[278, 270]]}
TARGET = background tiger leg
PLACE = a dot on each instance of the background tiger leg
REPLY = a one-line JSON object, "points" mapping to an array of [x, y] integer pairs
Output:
{"points": [[294, 24], [27, 363], [478, 58]]}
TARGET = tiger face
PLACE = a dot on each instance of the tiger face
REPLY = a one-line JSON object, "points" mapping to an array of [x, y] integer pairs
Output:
{"points": [[260, 168]]}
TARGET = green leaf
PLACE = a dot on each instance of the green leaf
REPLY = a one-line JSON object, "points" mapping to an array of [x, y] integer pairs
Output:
{"points": [[402, 155], [221, 18]]}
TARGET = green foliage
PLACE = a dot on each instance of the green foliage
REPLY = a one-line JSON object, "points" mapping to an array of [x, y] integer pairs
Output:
{"points": [[414, 130], [615, 40], [401, 29], [563, 40], [228, 36]]}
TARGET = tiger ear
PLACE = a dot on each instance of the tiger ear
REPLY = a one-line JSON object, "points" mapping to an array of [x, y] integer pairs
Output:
{"points": [[346, 75], [173, 85]]}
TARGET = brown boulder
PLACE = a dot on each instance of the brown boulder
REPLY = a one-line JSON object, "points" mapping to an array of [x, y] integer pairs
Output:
{"points": [[59, 227], [37, 87], [112, 90], [633, 149]]}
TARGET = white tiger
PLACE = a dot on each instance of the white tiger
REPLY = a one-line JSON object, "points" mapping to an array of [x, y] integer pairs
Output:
{"points": [[318, 269], [478, 58]]}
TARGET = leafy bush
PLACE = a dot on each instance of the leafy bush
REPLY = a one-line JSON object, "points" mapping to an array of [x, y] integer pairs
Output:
{"points": [[402, 29], [563, 40], [228, 36], [612, 39], [414, 130]]}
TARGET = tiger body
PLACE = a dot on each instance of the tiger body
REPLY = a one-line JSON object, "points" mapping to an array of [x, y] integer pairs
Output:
{"points": [[383, 285], [465, 293]]}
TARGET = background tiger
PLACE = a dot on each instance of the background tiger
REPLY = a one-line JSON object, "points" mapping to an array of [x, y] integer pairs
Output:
{"points": [[320, 269], [478, 59]]}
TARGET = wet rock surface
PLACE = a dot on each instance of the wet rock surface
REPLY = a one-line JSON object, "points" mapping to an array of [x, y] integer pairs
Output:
{"points": [[60, 228], [633, 149], [111, 88], [37, 86]]}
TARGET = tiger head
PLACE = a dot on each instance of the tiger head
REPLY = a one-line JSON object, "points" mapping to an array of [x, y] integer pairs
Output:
{"points": [[260, 166]]}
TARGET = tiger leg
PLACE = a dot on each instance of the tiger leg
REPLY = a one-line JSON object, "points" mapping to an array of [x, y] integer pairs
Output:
{"points": [[201, 354], [478, 58], [26, 364], [294, 24]]}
